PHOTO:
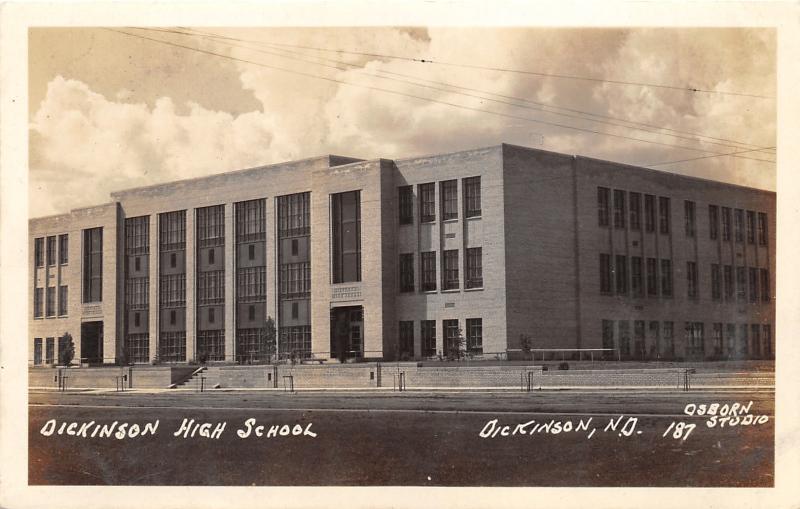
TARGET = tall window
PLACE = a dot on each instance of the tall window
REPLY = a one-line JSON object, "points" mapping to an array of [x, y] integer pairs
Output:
{"points": [[767, 334], [716, 286], [605, 273], [407, 272], [211, 226], [50, 351], [762, 229], [764, 286], [622, 274], [689, 213], [37, 351], [294, 215], [451, 336], [695, 342], [691, 280], [251, 284], [619, 208], [38, 252], [669, 339], [635, 204], [741, 284], [637, 289], [173, 290], [602, 205], [475, 336], [427, 202], [346, 209], [716, 339], [428, 337], [38, 302], [649, 213], [251, 220], [713, 222], [137, 235], [450, 269], [624, 338], [666, 278], [663, 214], [752, 283], [295, 280], [93, 265], [406, 339], [726, 224], [62, 300], [428, 271], [608, 336], [472, 196], [727, 279], [751, 227], [474, 267], [51, 250], [449, 199], [173, 230], [405, 200], [652, 277], [738, 225], [50, 304]]}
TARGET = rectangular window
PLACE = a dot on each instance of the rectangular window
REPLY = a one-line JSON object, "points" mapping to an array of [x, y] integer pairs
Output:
{"points": [[762, 229], [251, 284], [669, 339], [296, 339], [407, 272], [752, 283], [764, 286], [727, 279], [63, 249], [37, 351], [638, 339], [50, 303], [93, 265], [730, 339], [173, 230], [713, 222], [428, 271], [637, 288], [475, 336], [689, 213], [428, 337], [295, 280], [450, 269], [137, 236], [605, 273], [716, 282], [212, 344], [62, 300], [635, 204], [716, 339], [211, 226], [691, 280], [346, 226], [755, 340], [608, 336], [172, 290], [172, 346], [695, 342], [427, 202], [38, 302], [649, 213], [136, 293], [451, 337], [210, 287], [472, 196], [744, 347], [602, 205], [51, 251], [294, 215], [751, 227], [50, 351], [663, 214], [38, 252], [251, 220], [741, 284], [726, 224], [474, 267], [619, 208], [624, 338], [405, 200], [652, 277], [449, 189], [767, 335], [406, 339], [666, 278], [738, 225], [621, 274]]}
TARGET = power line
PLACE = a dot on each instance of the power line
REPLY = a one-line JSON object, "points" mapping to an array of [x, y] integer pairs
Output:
{"points": [[541, 108], [517, 117], [697, 158], [517, 71]]}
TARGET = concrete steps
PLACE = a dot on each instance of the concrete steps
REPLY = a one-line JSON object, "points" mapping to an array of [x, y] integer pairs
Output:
{"points": [[203, 377]]}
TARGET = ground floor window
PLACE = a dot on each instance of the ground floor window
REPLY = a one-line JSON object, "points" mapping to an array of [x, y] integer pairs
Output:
{"points": [[695, 341], [767, 336], [716, 339], [669, 339], [475, 336], [137, 347], [37, 351], [211, 345], [624, 338], [172, 347], [428, 335], [406, 339], [452, 338], [251, 346], [295, 341], [50, 351], [755, 341]]}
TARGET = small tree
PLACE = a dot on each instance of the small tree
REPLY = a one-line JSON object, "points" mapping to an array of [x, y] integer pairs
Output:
{"points": [[457, 347], [525, 344], [66, 349], [266, 340]]}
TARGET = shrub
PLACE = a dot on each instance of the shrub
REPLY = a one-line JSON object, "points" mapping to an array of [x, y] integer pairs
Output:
{"points": [[563, 365], [66, 349]]}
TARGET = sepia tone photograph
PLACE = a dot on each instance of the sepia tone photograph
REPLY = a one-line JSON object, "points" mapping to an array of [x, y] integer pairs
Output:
{"points": [[401, 255]]}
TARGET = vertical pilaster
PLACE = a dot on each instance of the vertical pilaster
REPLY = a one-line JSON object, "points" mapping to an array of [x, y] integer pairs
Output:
{"points": [[191, 308], [271, 252], [154, 287], [230, 278]]}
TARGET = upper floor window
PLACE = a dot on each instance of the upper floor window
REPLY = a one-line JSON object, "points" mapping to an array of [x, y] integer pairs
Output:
{"points": [[663, 214], [475, 336], [602, 206], [689, 212], [762, 229], [691, 280], [649, 213], [405, 199], [38, 252], [428, 271], [726, 223], [450, 269], [346, 227], [619, 208], [713, 222], [62, 300], [738, 225], [427, 202], [93, 265], [666, 278], [251, 220], [51, 250], [211, 226], [407, 272], [474, 268], [63, 249], [449, 199], [751, 227], [38, 304], [137, 235], [716, 282], [173, 230], [605, 273], [472, 196], [621, 275], [635, 205], [294, 215]]}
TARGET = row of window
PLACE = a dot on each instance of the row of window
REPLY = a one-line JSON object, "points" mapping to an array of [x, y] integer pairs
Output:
{"points": [[614, 277], [448, 200], [752, 284], [454, 338], [627, 212], [44, 304], [39, 250], [473, 269]]}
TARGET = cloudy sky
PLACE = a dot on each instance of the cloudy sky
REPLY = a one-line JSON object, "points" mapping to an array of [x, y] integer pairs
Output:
{"points": [[110, 111]]}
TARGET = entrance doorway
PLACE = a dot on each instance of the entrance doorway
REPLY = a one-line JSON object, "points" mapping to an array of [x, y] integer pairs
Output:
{"points": [[92, 342], [347, 332]]}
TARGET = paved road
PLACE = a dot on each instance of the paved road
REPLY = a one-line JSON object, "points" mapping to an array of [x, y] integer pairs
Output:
{"points": [[403, 439]]}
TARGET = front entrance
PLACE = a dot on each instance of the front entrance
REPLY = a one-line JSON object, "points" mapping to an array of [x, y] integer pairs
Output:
{"points": [[347, 332], [92, 342]]}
